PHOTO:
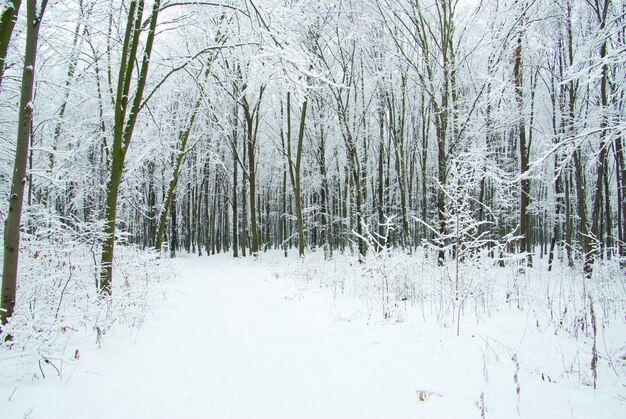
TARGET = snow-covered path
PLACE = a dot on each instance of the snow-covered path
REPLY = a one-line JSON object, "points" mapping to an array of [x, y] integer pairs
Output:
{"points": [[249, 352], [228, 345], [234, 341]]}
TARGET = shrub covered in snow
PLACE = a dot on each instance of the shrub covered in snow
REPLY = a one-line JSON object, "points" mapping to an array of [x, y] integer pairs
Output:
{"points": [[579, 320], [58, 303]]}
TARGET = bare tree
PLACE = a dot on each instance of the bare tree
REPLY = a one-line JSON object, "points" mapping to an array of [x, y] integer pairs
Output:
{"points": [[125, 120], [294, 168], [34, 16], [7, 23]]}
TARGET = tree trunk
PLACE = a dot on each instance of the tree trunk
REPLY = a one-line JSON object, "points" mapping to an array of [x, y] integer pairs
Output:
{"points": [[523, 151], [294, 169], [620, 175], [381, 181], [233, 145], [601, 13], [252, 124], [7, 23], [244, 195], [254, 234], [18, 181], [326, 219], [283, 217], [173, 242], [425, 132], [125, 125]]}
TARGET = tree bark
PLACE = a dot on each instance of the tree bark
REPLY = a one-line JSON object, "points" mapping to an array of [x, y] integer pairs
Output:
{"points": [[7, 23], [294, 170], [18, 181], [233, 146], [325, 207], [124, 125], [252, 124], [601, 13], [523, 150]]}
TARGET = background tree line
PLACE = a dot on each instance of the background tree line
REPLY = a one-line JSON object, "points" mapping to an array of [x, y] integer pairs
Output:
{"points": [[348, 126]]}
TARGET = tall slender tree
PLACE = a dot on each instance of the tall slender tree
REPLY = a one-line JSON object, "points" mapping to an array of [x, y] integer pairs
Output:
{"points": [[7, 23], [294, 164], [34, 17], [125, 120]]}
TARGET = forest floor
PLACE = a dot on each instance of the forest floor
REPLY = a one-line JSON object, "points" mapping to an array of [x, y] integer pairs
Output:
{"points": [[238, 338]]}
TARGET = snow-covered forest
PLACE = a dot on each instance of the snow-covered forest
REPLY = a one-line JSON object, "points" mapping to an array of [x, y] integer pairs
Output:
{"points": [[447, 165]]}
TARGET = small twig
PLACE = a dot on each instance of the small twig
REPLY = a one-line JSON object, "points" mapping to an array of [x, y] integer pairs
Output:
{"points": [[14, 390], [41, 369], [47, 361], [594, 351], [518, 388], [56, 314], [71, 375]]}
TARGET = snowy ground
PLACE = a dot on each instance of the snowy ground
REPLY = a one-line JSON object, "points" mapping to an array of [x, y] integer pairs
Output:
{"points": [[242, 339]]}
